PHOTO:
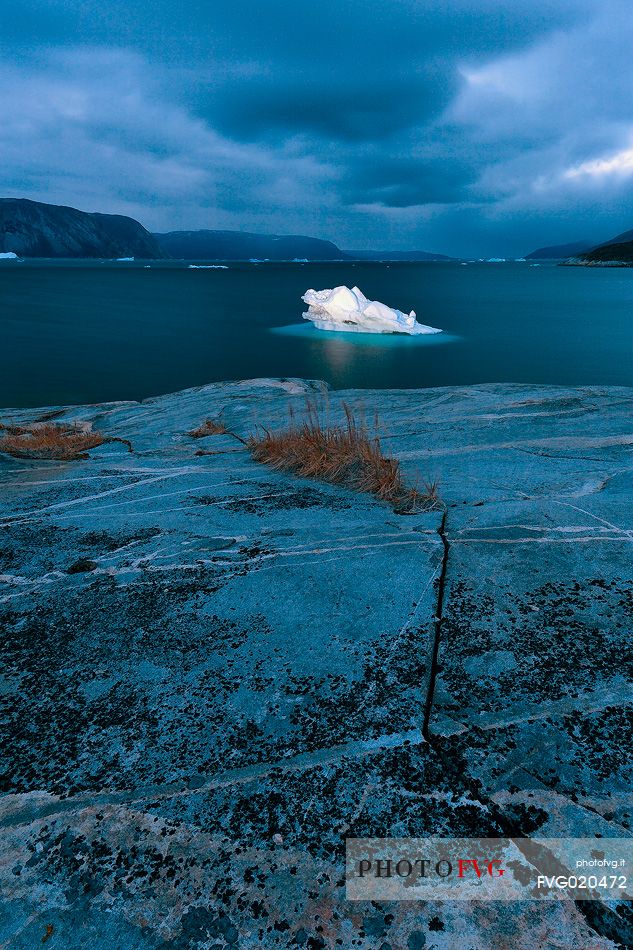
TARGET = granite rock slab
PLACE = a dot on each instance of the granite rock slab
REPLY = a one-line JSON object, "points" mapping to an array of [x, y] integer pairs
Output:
{"points": [[214, 672]]}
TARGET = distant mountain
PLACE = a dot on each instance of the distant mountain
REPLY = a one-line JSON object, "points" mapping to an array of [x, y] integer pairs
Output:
{"points": [[560, 251], [590, 251], [242, 246], [396, 256], [621, 251], [623, 238], [34, 229]]}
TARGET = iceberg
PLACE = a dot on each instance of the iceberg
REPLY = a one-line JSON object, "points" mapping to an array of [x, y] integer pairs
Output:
{"points": [[8, 256], [351, 311]]}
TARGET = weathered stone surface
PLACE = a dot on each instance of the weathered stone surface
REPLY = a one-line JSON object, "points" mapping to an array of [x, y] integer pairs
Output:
{"points": [[234, 679]]}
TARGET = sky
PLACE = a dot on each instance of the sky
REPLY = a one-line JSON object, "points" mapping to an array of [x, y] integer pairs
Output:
{"points": [[466, 127]]}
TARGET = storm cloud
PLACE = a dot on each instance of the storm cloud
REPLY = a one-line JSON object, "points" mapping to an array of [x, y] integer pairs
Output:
{"points": [[458, 126]]}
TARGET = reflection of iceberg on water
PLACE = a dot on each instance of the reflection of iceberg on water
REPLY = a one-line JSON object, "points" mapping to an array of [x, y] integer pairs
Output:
{"points": [[351, 311]]}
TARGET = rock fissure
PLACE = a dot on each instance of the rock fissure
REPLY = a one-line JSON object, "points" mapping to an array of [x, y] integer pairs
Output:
{"points": [[428, 704]]}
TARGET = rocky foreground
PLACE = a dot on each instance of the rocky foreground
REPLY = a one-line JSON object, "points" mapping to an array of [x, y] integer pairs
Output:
{"points": [[214, 673]]}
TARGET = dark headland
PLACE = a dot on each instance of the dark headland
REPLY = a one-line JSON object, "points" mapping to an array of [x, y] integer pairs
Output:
{"points": [[617, 250], [34, 229]]}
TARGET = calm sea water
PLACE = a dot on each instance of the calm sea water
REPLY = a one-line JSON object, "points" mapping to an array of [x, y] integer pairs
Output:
{"points": [[86, 332]]}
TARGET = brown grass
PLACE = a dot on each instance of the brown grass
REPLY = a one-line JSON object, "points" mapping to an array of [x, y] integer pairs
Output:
{"points": [[345, 454], [52, 441], [213, 427], [209, 427]]}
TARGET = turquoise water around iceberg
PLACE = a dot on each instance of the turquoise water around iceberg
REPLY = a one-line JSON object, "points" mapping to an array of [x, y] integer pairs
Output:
{"points": [[307, 331], [89, 331]]}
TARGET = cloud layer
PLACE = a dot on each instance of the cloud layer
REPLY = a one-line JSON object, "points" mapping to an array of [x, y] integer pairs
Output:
{"points": [[452, 125]]}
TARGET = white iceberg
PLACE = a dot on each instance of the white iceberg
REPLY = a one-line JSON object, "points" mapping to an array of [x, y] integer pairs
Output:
{"points": [[351, 311], [8, 256]]}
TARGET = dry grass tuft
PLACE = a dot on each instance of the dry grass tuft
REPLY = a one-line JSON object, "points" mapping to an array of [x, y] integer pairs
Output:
{"points": [[345, 454], [60, 442], [213, 427], [209, 427]]}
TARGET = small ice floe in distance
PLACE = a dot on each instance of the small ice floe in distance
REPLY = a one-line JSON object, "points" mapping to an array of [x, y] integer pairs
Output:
{"points": [[124, 258], [8, 256], [351, 311], [208, 267]]}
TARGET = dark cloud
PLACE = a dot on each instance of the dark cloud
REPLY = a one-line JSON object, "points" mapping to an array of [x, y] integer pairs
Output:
{"points": [[355, 111], [478, 126], [401, 181]]}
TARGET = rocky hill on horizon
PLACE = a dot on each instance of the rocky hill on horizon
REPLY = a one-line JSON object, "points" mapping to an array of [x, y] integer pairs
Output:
{"points": [[36, 229], [617, 249], [559, 252], [617, 252], [216, 245]]}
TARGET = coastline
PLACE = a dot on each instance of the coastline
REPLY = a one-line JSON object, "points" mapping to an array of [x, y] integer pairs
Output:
{"points": [[573, 263], [240, 679]]}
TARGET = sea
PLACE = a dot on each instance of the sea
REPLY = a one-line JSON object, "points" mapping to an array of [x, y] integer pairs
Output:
{"points": [[89, 331]]}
